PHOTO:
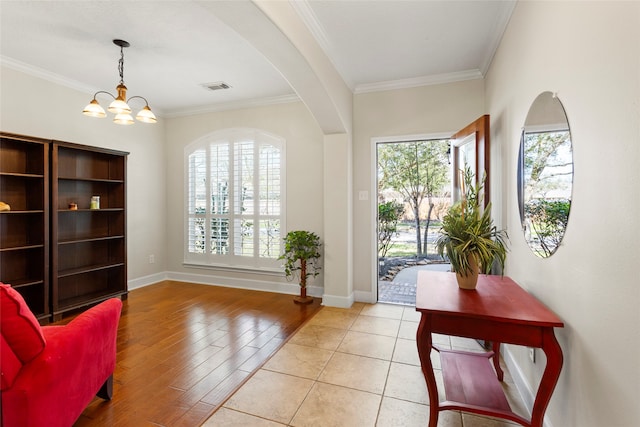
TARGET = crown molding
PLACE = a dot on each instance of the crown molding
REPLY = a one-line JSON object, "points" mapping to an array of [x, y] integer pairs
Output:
{"points": [[308, 16], [419, 81], [304, 11], [492, 47], [45, 75]]}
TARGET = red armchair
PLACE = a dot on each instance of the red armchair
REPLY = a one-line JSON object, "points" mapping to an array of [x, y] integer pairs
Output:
{"points": [[50, 374]]}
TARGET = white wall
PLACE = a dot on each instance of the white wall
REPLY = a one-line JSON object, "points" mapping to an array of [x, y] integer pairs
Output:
{"points": [[589, 53], [423, 110], [58, 116], [304, 182]]}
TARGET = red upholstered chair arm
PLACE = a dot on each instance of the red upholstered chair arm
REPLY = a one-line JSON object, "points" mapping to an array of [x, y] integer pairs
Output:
{"points": [[78, 358], [88, 341], [98, 329]]}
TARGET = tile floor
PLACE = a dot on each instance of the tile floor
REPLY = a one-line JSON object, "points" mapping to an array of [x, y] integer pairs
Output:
{"points": [[350, 367]]}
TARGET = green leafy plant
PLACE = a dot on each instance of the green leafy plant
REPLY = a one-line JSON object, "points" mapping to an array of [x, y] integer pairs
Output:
{"points": [[388, 215], [548, 219], [301, 253], [468, 231]]}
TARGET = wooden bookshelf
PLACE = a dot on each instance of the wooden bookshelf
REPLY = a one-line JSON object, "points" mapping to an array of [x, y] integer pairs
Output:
{"points": [[24, 229], [89, 250]]}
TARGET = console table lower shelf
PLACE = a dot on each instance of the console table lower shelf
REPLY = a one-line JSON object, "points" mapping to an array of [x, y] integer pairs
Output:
{"points": [[471, 385]]}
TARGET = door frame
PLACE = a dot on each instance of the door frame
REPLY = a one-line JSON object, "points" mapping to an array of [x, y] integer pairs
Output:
{"points": [[374, 195], [480, 128]]}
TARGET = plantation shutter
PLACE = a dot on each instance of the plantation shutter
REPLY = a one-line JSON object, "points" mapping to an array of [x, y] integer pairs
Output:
{"points": [[244, 219], [219, 199], [197, 202], [235, 202], [270, 196]]}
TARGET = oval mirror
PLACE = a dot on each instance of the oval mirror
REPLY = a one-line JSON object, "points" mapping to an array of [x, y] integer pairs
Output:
{"points": [[545, 174]]}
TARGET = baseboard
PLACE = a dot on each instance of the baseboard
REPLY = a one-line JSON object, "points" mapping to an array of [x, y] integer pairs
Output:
{"points": [[525, 390], [365, 296], [141, 282], [337, 301], [251, 284], [255, 285]]}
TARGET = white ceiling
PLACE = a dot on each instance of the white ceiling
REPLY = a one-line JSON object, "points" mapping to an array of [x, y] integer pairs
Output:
{"points": [[176, 46]]}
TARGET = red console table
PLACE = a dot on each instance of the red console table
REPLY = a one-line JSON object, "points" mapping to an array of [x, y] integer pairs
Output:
{"points": [[499, 311]]}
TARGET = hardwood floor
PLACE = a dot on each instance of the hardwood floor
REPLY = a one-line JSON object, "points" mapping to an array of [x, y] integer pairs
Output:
{"points": [[183, 348]]}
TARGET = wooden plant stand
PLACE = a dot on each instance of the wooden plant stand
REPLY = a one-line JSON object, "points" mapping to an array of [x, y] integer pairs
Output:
{"points": [[303, 298]]}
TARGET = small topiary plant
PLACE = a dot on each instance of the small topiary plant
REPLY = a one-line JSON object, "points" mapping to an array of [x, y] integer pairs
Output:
{"points": [[301, 253]]}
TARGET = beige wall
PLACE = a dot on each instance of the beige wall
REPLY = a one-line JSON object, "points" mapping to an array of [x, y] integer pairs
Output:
{"points": [[304, 183], [58, 116], [437, 109], [589, 53], [338, 208]]}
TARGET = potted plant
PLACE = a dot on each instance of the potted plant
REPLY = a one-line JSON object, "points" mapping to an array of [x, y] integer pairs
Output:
{"points": [[469, 237], [301, 253]]}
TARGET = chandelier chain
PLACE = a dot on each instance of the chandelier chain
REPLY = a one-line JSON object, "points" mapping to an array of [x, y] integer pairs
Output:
{"points": [[121, 66]]}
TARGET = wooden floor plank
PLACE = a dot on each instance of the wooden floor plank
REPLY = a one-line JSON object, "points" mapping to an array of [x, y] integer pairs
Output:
{"points": [[195, 416], [255, 361], [218, 395], [183, 348]]}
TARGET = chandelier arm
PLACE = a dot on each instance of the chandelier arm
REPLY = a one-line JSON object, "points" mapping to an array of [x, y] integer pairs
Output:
{"points": [[103, 91], [138, 96]]}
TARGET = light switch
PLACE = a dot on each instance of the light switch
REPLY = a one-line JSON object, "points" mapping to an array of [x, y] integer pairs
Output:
{"points": [[363, 195]]}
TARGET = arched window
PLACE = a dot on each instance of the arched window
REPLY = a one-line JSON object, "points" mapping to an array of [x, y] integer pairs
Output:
{"points": [[235, 199]]}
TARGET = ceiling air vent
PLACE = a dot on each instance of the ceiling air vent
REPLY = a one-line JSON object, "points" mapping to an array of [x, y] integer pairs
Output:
{"points": [[216, 86]]}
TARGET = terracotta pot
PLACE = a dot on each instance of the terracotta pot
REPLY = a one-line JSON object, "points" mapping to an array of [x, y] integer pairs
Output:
{"points": [[470, 281]]}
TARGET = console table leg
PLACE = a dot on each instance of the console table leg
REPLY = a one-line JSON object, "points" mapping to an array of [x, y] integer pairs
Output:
{"points": [[496, 360], [550, 376], [423, 339]]}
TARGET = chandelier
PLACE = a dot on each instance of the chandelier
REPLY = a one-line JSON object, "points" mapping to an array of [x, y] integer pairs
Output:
{"points": [[120, 106]]}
